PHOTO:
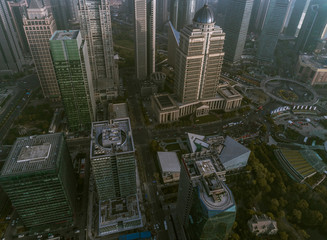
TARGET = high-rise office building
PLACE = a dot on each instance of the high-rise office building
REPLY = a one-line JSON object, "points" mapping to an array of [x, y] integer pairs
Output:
{"points": [[173, 12], [114, 170], [258, 15], [186, 11], [199, 58], [72, 67], [11, 56], [162, 13], [17, 11], [296, 17], [314, 26], [236, 28], [145, 37], [39, 26], [205, 205], [271, 29], [38, 178], [95, 21]]}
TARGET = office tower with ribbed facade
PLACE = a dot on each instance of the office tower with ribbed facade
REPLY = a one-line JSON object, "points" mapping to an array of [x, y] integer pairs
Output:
{"points": [[95, 24], [186, 11], [114, 170], [38, 178], [39, 26], [145, 37], [236, 28], [314, 26], [271, 30], [199, 58], [205, 205], [11, 55], [72, 67]]}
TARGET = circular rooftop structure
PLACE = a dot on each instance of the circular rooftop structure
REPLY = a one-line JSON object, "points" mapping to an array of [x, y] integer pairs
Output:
{"points": [[204, 15]]}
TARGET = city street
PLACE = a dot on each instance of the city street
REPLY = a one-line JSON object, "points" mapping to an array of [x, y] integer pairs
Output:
{"points": [[17, 103]]}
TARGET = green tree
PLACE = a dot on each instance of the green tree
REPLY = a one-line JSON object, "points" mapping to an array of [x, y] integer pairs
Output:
{"points": [[283, 235]]}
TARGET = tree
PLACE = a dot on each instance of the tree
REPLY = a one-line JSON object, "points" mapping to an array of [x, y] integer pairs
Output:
{"points": [[297, 215], [234, 236], [283, 235], [302, 204]]}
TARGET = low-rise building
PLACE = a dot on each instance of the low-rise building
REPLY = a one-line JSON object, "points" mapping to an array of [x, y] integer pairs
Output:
{"points": [[166, 109], [232, 154], [262, 225], [312, 69], [169, 166]]}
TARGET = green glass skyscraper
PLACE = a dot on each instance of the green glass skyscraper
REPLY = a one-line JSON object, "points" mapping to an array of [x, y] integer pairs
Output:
{"points": [[72, 67], [38, 178]]}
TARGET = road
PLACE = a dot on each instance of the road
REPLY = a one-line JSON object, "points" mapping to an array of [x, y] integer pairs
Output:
{"points": [[146, 162], [17, 104]]}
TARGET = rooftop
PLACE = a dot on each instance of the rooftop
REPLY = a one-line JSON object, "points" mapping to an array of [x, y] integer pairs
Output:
{"points": [[113, 138], [164, 101], [204, 15], [208, 174], [169, 162], [231, 150], [32, 154], [315, 61], [64, 35], [112, 212]]}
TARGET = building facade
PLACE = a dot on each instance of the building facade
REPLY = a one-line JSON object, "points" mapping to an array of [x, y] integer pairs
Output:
{"points": [[296, 17], [95, 24], [11, 55], [205, 205], [114, 170], [199, 58], [236, 29], [186, 12], [72, 67], [314, 26], [271, 30], [39, 26], [312, 69], [145, 37], [38, 178]]}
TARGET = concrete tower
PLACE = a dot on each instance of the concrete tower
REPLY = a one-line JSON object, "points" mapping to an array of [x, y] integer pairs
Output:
{"points": [[95, 23], [39, 26], [199, 58]]}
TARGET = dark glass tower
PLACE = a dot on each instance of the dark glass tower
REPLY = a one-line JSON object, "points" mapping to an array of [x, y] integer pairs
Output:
{"points": [[313, 27], [271, 29], [38, 178], [299, 9], [236, 27]]}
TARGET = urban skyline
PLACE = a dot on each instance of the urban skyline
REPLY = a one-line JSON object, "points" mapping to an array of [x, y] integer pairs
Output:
{"points": [[158, 119]]}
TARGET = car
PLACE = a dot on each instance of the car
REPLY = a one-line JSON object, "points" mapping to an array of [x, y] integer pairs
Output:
{"points": [[39, 236], [13, 223], [77, 231], [21, 235]]}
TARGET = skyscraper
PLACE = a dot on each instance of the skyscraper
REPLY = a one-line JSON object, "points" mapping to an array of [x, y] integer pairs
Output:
{"points": [[258, 15], [95, 21], [38, 178], [186, 11], [72, 67], [296, 18], [314, 26], [199, 58], [162, 13], [17, 11], [271, 29], [39, 26], [236, 28], [173, 12], [11, 56], [145, 37], [205, 205], [114, 170]]}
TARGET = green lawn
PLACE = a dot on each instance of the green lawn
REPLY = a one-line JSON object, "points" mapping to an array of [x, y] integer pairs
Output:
{"points": [[173, 147], [206, 119]]}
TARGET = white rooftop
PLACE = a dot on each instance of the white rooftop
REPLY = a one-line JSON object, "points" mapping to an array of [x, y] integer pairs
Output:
{"points": [[169, 162]]}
